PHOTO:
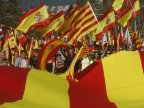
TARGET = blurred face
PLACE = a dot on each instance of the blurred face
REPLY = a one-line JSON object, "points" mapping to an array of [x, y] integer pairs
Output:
{"points": [[130, 48], [97, 56], [2, 55], [16, 55], [23, 55], [71, 52]]}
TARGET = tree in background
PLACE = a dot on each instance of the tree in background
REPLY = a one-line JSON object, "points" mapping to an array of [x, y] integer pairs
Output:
{"points": [[9, 12]]}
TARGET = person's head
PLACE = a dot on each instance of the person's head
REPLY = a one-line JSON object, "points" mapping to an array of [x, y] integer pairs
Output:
{"points": [[97, 55], [2, 55], [71, 51], [23, 54], [16, 54], [36, 52], [130, 48], [108, 53]]}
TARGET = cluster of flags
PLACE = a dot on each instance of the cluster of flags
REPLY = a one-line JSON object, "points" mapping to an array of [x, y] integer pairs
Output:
{"points": [[74, 26]]}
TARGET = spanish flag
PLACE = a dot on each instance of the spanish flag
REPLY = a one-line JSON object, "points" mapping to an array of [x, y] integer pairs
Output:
{"points": [[32, 17], [117, 5], [106, 23], [48, 51], [52, 23], [129, 13], [109, 83]]}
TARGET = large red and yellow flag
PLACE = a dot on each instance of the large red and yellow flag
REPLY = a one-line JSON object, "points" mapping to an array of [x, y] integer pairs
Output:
{"points": [[48, 51], [84, 22], [53, 23], [109, 83], [32, 17], [68, 19], [129, 13], [117, 5], [106, 23]]}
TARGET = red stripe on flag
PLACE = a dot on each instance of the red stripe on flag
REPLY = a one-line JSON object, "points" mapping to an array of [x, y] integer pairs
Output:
{"points": [[12, 83], [90, 90], [142, 59], [76, 30]]}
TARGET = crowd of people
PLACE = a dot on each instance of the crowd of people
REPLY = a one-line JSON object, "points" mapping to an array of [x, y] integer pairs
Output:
{"points": [[61, 61]]}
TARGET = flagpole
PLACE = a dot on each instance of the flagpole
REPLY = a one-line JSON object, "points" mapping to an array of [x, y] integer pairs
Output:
{"points": [[93, 13]]}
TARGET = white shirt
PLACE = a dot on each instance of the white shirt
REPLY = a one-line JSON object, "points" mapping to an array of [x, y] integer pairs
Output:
{"points": [[85, 62]]}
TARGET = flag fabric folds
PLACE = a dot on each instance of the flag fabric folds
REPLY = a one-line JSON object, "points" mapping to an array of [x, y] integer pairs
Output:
{"points": [[129, 13], [52, 23], [103, 84], [32, 17], [83, 23], [48, 51], [106, 23]]}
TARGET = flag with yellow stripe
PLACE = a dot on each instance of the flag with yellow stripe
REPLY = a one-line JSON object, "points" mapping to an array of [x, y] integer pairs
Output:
{"points": [[48, 51], [32, 17], [106, 23], [102, 85], [83, 23], [129, 13]]}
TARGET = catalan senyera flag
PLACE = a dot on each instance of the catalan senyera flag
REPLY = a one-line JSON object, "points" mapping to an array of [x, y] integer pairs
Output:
{"points": [[106, 23], [108, 83], [136, 40], [68, 19], [48, 51], [84, 50], [82, 24], [52, 23], [32, 17], [129, 13]]}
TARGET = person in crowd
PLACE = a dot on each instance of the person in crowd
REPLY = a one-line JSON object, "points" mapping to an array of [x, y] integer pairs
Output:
{"points": [[130, 48], [70, 56], [3, 60], [85, 62], [97, 55], [15, 56], [50, 66], [60, 63], [34, 59], [22, 61]]}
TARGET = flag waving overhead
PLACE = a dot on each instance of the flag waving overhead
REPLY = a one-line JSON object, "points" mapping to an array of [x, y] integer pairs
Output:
{"points": [[32, 17], [129, 13], [102, 85], [52, 23], [84, 22], [48, 51], [106, 23]]}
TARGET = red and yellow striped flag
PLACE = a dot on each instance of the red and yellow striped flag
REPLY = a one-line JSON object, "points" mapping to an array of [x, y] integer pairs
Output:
{"points": [[83, 23], [109, 83], [70, 16], [32, 17], [48, 51], [136, 40], [117, 5], [84, 50], [129, 13], [106, 23], [54, 23]]}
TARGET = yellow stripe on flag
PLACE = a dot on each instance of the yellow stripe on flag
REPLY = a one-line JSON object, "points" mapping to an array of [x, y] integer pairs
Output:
{"points": [[50, 91], [35, 17], [124, 80]]}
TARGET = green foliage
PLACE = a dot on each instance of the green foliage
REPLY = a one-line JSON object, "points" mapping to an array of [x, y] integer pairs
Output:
{"points": [[9, 13]]}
